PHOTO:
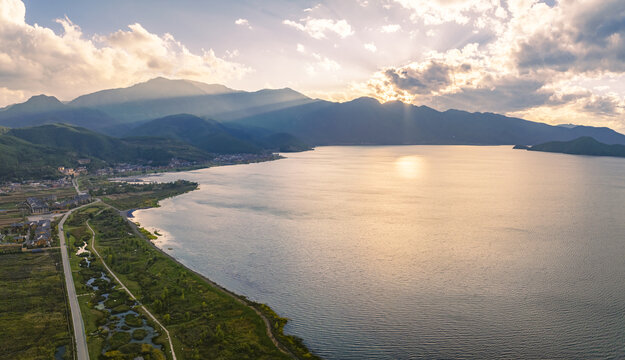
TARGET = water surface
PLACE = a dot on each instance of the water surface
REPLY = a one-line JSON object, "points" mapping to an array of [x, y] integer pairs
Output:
{"points": [[417, 251]]}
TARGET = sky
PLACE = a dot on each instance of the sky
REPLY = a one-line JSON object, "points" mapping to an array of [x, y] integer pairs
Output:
{"points": [[550, 61]]}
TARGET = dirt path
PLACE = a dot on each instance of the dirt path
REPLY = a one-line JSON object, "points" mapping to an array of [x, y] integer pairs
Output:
{"points": [[171, 345], [222, 289]]}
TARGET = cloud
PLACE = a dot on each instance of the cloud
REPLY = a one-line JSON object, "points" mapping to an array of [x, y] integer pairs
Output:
{"points": [[436, 12], [543, 61], [8, 96], [588, 37], [34, 59], [243, 22], [323, 64], [391, 28], [319, 28], [371, 47]]}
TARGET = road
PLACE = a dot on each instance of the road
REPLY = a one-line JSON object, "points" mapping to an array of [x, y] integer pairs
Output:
{"points": [[79, 328], [171, 345], [75, 183]]}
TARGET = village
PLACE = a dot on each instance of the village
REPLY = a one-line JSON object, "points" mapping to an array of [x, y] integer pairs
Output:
{"points": [[37, 233], [54, 197]]}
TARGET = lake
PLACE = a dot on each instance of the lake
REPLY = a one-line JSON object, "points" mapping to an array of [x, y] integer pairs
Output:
{"points": [[407, 252]]}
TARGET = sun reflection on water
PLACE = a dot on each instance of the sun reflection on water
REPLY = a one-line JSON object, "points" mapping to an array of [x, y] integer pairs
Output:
{"points": [[408, 167]]}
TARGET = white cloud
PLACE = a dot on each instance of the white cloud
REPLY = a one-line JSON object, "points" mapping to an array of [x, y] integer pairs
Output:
{"points": [[232, 54], [243, 22], [8, 96], [34, 59], [319, 28], [323, 64], [435, 12], [301, 48], [390, 28], [547, 63], [371, 47]]}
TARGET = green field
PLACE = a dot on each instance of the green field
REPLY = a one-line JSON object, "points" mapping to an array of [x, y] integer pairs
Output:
{"points": [[103, 341], [34, 318]]}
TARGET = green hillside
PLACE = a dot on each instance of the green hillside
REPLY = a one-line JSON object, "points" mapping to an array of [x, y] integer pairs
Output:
{"points": [[75, 139], [37, 152], [207, 135], [21, 160]]}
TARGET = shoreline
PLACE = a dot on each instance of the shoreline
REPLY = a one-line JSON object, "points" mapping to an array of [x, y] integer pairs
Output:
{"points": [[242, 299]]}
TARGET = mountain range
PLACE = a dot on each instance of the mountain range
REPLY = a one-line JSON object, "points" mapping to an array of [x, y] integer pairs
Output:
{"points": [[238, 119]]}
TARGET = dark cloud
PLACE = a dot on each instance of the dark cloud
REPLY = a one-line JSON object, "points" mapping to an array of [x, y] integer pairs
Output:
{"points": [[588, 40], [496, 95], [433, 77], [602, 105]]}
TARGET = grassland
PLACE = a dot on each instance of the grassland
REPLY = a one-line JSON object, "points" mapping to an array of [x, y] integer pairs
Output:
{"points": [[97, 321], [34, 318]]}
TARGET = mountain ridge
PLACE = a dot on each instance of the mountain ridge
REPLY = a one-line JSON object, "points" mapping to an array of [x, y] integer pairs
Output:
{"points": [[361, 121]]}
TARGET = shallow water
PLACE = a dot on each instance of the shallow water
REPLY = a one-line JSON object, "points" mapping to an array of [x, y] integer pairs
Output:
{"points": [[417, 251]]}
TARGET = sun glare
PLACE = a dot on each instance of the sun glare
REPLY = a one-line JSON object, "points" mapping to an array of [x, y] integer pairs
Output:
{"points": [[408, 167]]}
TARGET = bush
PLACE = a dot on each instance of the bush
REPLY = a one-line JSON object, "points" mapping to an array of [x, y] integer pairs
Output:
{"points": [[139, 334]]}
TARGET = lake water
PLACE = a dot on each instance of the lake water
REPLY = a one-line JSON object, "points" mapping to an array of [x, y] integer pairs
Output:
{"points": [[413, 252]]}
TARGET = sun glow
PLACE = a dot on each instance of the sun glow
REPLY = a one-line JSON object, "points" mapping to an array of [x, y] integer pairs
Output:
{"points": [[408, 167]]}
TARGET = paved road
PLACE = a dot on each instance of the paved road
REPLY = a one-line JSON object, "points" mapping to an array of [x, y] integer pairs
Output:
{"points": [[79, 328], [75, 183]]}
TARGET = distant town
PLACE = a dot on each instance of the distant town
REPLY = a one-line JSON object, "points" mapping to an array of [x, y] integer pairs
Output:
{"points": [[174, 164], [38, 212]]}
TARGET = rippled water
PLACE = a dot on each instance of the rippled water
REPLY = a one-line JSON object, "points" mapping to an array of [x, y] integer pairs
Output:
{"points": [[417, 251]]}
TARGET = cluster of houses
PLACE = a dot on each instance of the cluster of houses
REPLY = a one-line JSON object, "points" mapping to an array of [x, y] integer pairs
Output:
{"points": [[226, 159], [73, 172], [231, 159], [32, 234], [131, 168], [38, 206]]}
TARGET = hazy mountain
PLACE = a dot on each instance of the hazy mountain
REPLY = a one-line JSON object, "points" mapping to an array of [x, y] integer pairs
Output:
{"points": [[215, 137], [585, 145], [284, 142], [207, 135], [161, 97], [158, 88], [43, 109], [37, 103], [366, 121], [242, 115]]}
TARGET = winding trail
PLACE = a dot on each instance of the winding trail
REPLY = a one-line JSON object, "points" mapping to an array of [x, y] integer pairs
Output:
{"points": [[171, 345], [274, 340]]}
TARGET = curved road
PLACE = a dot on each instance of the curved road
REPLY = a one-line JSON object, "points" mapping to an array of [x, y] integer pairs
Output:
{"points": [[79, 328]]}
